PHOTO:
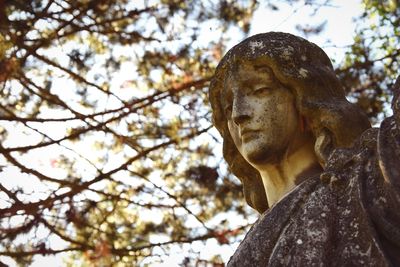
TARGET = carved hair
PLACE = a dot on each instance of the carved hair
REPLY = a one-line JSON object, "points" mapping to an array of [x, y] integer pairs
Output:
{"points": [[307, 72]]}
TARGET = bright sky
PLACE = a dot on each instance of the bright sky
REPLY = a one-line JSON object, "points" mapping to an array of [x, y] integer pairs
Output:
{"points": [[338, 33]]}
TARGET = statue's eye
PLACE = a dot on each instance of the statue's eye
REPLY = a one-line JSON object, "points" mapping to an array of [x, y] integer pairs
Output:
{"points": [[228, 110], [261, 90]]}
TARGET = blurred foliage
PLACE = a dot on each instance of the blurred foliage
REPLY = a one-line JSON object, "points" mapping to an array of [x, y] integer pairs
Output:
{"points": [[106, 139], [104, 110], [371, 65]]}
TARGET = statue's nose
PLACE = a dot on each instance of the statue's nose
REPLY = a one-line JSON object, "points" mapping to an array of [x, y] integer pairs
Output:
{"points": [[240, 112]]}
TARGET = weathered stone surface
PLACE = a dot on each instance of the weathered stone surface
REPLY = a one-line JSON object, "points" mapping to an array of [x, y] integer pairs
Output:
{"points": [[349, 213], [350, 217]]}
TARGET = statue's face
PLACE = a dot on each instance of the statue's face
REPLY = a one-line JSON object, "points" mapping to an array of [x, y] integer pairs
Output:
{"points": [[262, 118]]}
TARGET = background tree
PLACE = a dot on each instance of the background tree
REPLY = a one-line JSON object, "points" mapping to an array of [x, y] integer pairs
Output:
{"points": [[103, 113], [371, 65], [106, 140]]}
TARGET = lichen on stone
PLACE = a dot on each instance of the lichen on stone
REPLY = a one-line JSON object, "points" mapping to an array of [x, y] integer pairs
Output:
{"points": [[256, 45], [303, 73]]}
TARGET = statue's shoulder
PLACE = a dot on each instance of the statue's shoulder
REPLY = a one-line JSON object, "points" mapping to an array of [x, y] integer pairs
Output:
{"points": [[389, 143], [343, 163], [378, 147], [387, 139]]}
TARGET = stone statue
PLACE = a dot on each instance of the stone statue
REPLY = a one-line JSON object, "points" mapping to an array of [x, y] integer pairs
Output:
{"points": [[326, 183]]}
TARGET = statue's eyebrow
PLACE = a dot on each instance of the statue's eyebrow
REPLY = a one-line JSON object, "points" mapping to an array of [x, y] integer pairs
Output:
{"points": [[262, 67]]}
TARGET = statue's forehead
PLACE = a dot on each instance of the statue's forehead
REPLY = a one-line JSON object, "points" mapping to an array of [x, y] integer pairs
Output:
{"points": [[250, 71]]}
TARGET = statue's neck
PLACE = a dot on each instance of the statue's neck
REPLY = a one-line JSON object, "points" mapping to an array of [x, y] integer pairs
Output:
{"points": [[296, 166]]}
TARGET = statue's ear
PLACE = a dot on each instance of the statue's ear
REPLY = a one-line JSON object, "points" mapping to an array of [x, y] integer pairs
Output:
{"points": [[323, 146]]}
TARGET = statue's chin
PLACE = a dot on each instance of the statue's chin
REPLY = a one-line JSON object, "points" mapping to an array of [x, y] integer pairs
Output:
{"points": [[262, 154]]}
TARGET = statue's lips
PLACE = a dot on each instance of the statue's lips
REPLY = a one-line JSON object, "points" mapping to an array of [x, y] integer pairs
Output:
{"points": [[248, 135]]}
